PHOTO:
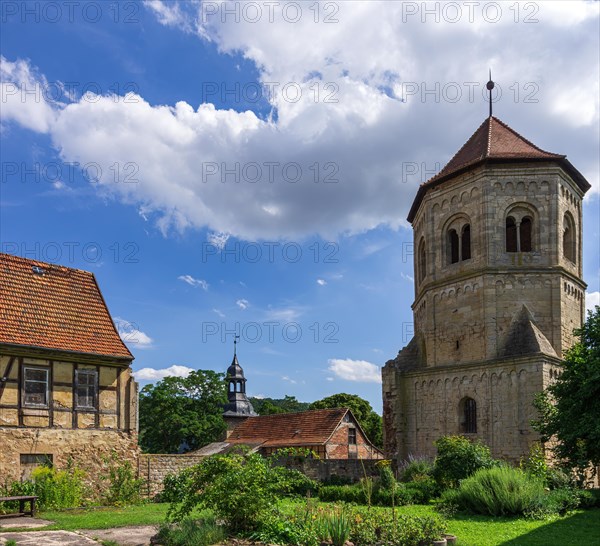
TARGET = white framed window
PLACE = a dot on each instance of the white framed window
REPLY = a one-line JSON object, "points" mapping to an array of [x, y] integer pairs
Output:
{"points": [[35, 386], [86, 388]]}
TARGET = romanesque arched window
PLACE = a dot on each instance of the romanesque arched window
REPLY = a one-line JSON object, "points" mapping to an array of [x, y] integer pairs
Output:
{"points": [[519, 226], [569, 239], [466, 243], [453, 254], [525, 234], [422, 267], [511, 235], [468, 416]]}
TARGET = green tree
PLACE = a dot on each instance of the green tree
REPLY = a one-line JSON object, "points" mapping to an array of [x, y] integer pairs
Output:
{"points": [[368, 419], [569, 410], [182, 413], [269, 406]]}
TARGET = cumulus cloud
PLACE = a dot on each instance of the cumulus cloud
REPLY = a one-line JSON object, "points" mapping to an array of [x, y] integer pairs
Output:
{"points": [[321, 282], [591, 300], [196, 283], [355, 370], [151, 374], [132, 335], [242, 304], [362, 121]]}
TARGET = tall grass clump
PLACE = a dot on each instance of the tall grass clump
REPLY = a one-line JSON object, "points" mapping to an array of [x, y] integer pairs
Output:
{"points": [[192, 533], [497, 491]]}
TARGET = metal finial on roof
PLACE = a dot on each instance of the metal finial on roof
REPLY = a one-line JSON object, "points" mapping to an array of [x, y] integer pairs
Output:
{"points": [[490, 86], [235, 338]]}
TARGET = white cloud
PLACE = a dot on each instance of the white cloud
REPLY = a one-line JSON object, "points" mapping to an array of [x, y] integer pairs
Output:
{"points": [[355, 370], [218, 240], [406, 277], [283, 314], [591, 300], [242, 304], [151, 374], [132, 335], [219, 313], [196, 283], [365, 139], [288, 379], [321, 282]]}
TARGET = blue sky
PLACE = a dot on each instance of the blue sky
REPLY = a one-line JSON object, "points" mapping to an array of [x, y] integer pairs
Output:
{"points": [[236, 166]]}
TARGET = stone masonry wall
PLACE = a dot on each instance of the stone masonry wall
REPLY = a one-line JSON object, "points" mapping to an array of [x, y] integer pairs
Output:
{"points": [[86, 448], [154, 468]]}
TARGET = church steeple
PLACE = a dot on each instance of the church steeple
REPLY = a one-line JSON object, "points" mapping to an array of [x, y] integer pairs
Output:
{"points": [[238, 405]]}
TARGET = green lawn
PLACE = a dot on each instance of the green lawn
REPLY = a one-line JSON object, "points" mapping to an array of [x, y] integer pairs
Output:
{"points": [[579, 528]]}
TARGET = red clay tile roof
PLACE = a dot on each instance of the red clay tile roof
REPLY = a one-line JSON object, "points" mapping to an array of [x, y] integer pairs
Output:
{"points": [[288, 429], [494, 141], [57, 308]]}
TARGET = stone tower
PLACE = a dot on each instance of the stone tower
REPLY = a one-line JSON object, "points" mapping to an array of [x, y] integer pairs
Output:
{"points": [[238, 407], [498, 292]]}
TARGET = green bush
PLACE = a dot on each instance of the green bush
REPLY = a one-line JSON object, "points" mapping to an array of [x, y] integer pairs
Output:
{"points": [[174, 486], [589, 498], [191, 533], [124, 488], [277, 528], [241, 488], [368, 527], [458, 458], [422, 491], [342, 493], [291, 482], [497, 491], [416, 469]]}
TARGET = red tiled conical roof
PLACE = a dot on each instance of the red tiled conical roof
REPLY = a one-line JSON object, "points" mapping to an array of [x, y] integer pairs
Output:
{"points": [[494, 141], [53, 307]]}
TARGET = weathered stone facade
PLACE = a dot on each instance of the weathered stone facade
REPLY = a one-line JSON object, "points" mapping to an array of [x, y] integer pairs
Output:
{"points": [[62, 430], [491, 322]]}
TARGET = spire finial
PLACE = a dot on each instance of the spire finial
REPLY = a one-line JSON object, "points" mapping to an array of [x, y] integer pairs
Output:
{"points": [[490, 86], [235, 338]]}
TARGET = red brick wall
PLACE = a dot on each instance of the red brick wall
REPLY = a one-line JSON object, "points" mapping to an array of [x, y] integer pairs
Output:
{"points": [[339, 448]]}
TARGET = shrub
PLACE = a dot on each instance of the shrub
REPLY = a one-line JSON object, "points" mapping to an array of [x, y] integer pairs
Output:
{"points": [[458, 458], [422, 491], [387, 479], [291, 482], [368, 527], [123, 486], [416, 469], [589, 498], [535, 463], [191, 533], [498, 491], [56, 489], [241, 488], [342, 493], [174, 486]]}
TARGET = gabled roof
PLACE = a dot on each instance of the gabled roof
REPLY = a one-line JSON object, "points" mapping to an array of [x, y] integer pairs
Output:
{"points": [[524, 337], [46, 306], [494, 142], [304, 428]]}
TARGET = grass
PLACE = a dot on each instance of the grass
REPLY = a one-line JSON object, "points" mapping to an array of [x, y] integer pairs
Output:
{"points": [[575, 529]]}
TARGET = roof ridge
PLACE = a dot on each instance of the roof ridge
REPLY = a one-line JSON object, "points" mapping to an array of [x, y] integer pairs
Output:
{"points": [[519, 135], [49, 265]]}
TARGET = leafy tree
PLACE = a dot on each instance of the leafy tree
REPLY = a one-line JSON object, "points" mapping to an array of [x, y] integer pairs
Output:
{"points": [[182, 413], [569, 410], [269, 406], [369, 421]]}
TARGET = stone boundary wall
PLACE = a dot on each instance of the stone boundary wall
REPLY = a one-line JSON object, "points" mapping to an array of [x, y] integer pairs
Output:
{"points": [[154, 468]]}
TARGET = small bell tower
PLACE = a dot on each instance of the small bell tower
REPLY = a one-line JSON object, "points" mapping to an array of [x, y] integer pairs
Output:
{"points": [[238, 407]]}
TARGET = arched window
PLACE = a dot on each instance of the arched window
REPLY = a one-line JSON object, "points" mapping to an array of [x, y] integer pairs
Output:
{"points": [[511, 235], [452, 246], [569, 245], [525, 233], [519, 231], [468, 417], [422, 261], [466, 243]]}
